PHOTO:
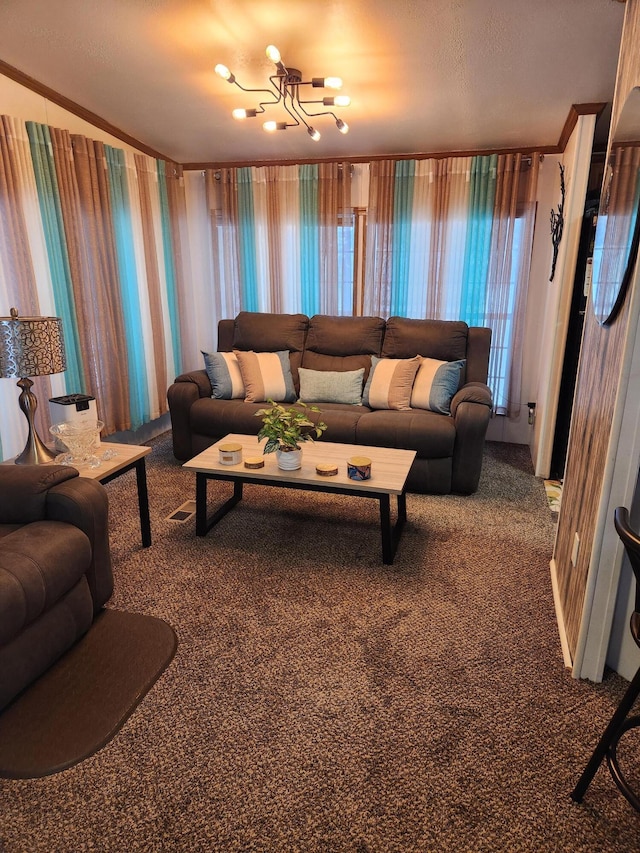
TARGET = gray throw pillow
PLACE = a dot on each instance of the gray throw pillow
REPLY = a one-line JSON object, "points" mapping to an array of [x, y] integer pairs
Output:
{"points": [[331, 386]]}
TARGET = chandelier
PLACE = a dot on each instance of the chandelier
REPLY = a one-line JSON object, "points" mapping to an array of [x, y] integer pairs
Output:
{"points": [[286, 83]]}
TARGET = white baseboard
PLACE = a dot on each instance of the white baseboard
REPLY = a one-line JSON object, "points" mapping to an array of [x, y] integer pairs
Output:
{"points": [[564, 643]]}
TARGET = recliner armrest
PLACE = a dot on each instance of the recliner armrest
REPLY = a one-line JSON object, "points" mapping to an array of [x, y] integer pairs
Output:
{"points": [[472, 392], [24, 488], [84, 503]]}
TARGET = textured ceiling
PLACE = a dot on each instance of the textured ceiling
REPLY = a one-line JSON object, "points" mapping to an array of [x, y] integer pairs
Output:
{"points": [[423, 75]]}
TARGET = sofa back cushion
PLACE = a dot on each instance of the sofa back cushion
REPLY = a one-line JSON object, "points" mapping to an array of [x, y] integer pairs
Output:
{"points": [[342, 343], [445, 340], [263, 332]]}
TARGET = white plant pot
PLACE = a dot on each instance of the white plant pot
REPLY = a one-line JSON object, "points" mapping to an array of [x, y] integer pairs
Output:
{"points": [[289, 460]]}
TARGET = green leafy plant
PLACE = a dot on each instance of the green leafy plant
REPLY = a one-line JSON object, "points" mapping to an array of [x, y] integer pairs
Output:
{"points": [[286, 429]]}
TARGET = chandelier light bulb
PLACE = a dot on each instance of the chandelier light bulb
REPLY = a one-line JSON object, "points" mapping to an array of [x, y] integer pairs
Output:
{"points": [[333, 82], [313, 133], [342, 100], [223, 71], [342, 126], [273, 53], [241, 114], [272, 126]]}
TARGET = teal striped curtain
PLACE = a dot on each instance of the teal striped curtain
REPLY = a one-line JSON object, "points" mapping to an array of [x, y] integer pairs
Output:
{"points": [[90, 236], [170, 267], [309, 240], [126, 255], [281, 234], [247, 237], [456, 239], [402, 216], [482, 191], [53, 225]]}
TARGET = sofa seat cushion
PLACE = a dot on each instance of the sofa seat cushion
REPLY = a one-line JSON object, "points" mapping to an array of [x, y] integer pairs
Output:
{"points": [[430, 434], [341, 419], [217, 418], [39, 564]]}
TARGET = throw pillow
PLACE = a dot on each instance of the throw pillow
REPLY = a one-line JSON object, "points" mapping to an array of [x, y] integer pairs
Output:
{"points": [[266, 376], [390, 382], [331, 386], [435, 384], [224, 374]]}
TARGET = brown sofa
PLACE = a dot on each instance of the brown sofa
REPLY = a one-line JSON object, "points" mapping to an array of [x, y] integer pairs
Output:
{"points": [[55, 567], [449, 446]]}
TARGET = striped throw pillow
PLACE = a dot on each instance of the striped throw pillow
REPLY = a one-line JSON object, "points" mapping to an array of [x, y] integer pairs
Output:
{"points": [[390, 382], [266, 376], [435, 384], [224, 374]]}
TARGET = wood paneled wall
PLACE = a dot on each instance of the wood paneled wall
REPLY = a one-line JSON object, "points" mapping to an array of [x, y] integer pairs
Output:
{"points": [[595, 399]]}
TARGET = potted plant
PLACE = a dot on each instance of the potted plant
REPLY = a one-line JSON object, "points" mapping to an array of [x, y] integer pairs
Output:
{"points": [[285, 429]]}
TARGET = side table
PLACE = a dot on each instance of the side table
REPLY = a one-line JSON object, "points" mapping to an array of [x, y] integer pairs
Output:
{"points": [[128, 456]]}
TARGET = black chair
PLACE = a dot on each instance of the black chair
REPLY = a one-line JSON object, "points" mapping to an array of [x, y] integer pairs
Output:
{"points": [[620, 723]]}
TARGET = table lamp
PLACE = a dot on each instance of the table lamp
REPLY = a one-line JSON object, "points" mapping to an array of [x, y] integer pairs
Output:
{"points": [[31, 346]]}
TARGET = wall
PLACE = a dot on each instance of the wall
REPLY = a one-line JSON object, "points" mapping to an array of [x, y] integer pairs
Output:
{"points": [[576, 161], [599, 468]]}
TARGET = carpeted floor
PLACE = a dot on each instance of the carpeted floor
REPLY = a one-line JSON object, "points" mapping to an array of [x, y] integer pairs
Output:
{"points": [[320, 701]]}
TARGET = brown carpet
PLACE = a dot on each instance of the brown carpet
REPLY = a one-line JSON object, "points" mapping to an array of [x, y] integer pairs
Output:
{"points": [[78, 705], [322, 702]]}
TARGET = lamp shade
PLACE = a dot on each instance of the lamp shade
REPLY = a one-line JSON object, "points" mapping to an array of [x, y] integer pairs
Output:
{"points": [[31, 346]]}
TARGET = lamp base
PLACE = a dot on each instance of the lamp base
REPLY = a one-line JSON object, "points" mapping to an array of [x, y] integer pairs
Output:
{"points": [[35, 451]]}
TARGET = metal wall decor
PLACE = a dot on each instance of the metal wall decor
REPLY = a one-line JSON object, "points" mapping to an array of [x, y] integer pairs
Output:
{"points": [[557, 224]]}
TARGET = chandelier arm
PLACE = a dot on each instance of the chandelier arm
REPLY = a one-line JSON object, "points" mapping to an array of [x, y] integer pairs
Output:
{"points": [[266, 91], [294, 115]]}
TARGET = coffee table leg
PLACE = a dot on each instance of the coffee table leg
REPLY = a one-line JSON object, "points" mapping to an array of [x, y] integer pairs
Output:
{"points": [[143, 502], [204, 524], [201, 505], [385, 529], [391, 534]]}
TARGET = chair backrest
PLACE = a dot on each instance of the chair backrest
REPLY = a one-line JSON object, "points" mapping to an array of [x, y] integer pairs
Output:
{"points": [[631, 542]]}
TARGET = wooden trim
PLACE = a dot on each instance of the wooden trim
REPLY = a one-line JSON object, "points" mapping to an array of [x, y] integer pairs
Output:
{"points": [[78, 110], [436, 155], [575, 112]]}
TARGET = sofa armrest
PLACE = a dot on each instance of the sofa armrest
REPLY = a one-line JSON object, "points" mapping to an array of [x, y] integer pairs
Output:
{"points": [[187, 388], [199, 379], [472, 392], [24, 488], [471, 409], [83, 503]]}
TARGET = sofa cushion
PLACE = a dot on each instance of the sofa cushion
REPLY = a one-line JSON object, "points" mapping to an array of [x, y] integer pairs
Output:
{"points": [[390, 382], [445, 340], [39, 563], [341, 336], [431, 435], [262, 332], [342, 421], [329, 386], [224, 374], [435, 384], [266, 376]]}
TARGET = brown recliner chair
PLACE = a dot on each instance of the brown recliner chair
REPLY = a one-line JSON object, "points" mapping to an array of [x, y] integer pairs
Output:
{"points": [[55, 567]]}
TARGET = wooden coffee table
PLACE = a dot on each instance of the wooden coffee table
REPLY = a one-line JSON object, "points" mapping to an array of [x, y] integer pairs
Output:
{"points": [[389, 471]]}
